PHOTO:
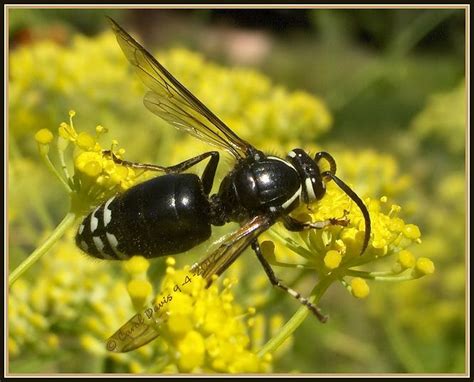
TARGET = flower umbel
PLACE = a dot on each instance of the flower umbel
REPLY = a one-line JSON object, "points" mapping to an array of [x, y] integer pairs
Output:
{"points": [[333, 253], [203, 328], [95, 177]]}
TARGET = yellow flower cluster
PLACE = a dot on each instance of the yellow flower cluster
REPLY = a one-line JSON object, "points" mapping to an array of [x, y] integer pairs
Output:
{"points": [[439, 131], [205, 329], [444, 120], [93, 75], [372, 173], [335, 250], [444, 242], [96, 176], [248, 102], [57, 304]]}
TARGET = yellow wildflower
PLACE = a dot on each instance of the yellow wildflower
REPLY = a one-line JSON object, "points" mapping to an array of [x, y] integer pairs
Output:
{"points": [[406, 259], [332, 259], [359, 287], [425, 266], [203, 328]]}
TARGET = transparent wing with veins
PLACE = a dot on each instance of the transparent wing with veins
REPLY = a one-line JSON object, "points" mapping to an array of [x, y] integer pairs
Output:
{"points": [[231, 248], [171, 101], [145, 326]]}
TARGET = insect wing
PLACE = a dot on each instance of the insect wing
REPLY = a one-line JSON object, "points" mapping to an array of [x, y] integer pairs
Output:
{"points": [[170, 100], [141, 329], [231, 247]]}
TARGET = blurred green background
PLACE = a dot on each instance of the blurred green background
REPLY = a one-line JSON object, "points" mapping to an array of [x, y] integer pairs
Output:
{"points": [[393, 84]]}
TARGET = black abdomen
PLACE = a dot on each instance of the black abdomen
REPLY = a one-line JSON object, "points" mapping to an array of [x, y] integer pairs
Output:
{"points": [[163, 216]]}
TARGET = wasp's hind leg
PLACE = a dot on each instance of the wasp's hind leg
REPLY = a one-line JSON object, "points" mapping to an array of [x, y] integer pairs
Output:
{"points": [[207, 176], [273, 279]]}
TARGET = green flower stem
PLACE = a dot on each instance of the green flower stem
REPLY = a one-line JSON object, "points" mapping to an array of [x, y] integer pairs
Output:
{"points": [[292, 245], [298, 318], [58, 232], [381, 276], [289, 265], [365, 274], [51, 167], [63, 163]]}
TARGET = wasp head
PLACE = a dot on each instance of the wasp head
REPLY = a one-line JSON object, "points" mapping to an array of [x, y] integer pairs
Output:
{"points": [[314, 182]]}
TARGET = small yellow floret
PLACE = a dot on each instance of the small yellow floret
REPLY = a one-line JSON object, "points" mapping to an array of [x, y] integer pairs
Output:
{"points": [[139, 290], [332, 259], [179, 324], [191, 350], [67, 132], [136, 265], [92, 169], [44, 136], [360, 289], [411, 231], [100, 129], [406, 259], [85, 141], [425, 266]]}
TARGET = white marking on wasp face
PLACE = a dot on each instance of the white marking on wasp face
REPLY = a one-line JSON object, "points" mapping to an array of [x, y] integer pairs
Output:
{"points": [[292, 154], [84, 245], [94, 220], [292, 199], [81, 228], [113, 244], [108, 212], [309, 189]]}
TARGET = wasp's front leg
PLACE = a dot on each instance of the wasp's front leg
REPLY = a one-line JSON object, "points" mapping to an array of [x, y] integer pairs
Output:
{"points": [[292, 224]]}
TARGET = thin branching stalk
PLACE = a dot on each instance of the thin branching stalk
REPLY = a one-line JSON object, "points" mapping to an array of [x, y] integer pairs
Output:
{"points": [[297, 319], [58, 232]]}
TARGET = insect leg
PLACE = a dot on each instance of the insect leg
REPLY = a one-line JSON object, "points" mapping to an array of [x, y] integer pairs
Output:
{"points": [[273, 279], [208, 175], [292, 224], [209, 172], [126, 163]]}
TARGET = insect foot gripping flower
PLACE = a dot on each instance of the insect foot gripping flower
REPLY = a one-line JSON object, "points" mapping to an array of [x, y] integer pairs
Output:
{"points": [[200, 329], [95, 177]]}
